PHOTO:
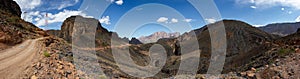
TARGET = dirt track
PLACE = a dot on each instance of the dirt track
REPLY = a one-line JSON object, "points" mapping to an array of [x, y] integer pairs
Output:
{"points": [[14, 60]]}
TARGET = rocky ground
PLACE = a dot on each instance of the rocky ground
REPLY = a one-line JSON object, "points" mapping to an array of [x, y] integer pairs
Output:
{"points": [[283, 67], [55, 61]]}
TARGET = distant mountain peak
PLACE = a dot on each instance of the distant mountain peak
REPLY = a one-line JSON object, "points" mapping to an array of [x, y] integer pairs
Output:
{"points": [[158, 35]]}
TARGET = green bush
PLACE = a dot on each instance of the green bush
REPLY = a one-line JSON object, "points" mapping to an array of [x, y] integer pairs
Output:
{"points": [[46, 54]]}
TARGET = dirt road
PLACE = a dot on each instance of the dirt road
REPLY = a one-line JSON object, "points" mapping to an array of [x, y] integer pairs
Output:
{"points": [[14, 60]]}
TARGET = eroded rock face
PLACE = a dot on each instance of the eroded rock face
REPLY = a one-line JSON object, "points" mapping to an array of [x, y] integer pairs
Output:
{"points": [[11, 7], [82, 28]]}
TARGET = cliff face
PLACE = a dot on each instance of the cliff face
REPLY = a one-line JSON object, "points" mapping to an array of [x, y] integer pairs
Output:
{"points": [[83, 26]]}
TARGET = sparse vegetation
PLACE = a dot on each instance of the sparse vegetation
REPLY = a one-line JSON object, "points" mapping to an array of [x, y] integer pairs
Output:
{"points": [[13, 19], [46, 54], [285, 51]]}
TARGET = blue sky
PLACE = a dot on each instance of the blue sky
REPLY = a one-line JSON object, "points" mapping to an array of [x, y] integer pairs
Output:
{"points": [[134, 18]]}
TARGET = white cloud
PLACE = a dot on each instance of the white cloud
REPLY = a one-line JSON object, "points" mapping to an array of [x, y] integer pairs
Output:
{"points": [[295, 4], [254, 7], [187, 20], [65, 4], [290, 12], [44, 5], [162, 20], [59, 17], [173, 20], [28, 4], [282, 9], [105, 20], [119, 2], [297, 19], [210, 20], [37, 19], [28, 16], [258, 25]]}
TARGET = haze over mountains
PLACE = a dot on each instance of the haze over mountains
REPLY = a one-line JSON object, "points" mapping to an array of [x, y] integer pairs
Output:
{"points": [[251, 52]]}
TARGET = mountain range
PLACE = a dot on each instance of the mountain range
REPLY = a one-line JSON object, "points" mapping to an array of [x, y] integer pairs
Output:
{"points": [[158, 35], [267, 52], [281, 29]]}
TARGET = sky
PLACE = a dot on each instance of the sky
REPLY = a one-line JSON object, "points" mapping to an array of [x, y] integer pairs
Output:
{"points": [[135, 18]]}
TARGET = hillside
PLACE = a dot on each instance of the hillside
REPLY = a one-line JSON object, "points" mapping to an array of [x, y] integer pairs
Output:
{"points": [[241, 39], [251, 52], [14, 30], [282, 29]]}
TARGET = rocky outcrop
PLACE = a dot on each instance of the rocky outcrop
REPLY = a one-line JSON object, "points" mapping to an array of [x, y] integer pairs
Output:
{"points": [[83, 26], [10, 6], [54, 32], [158, 35], [135, 41]]}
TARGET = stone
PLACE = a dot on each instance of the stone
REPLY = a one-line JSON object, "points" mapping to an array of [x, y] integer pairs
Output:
{"points": [[267, 66], [253, 69], [243, 73], [33, 77], [276, 77], [250, 74], [60, 67], [273, 65], [69, 72]]}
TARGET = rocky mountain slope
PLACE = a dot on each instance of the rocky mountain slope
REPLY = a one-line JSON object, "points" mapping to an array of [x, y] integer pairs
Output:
{"points": [[135, 41], [156, 36], [279, 62], [251, 52], [282, 29], [245, 44], [13, 29], [242, 38]]}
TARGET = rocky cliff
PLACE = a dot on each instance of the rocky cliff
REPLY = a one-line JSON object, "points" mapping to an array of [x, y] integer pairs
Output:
{"points": [[83, 25], [11, 7]]}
